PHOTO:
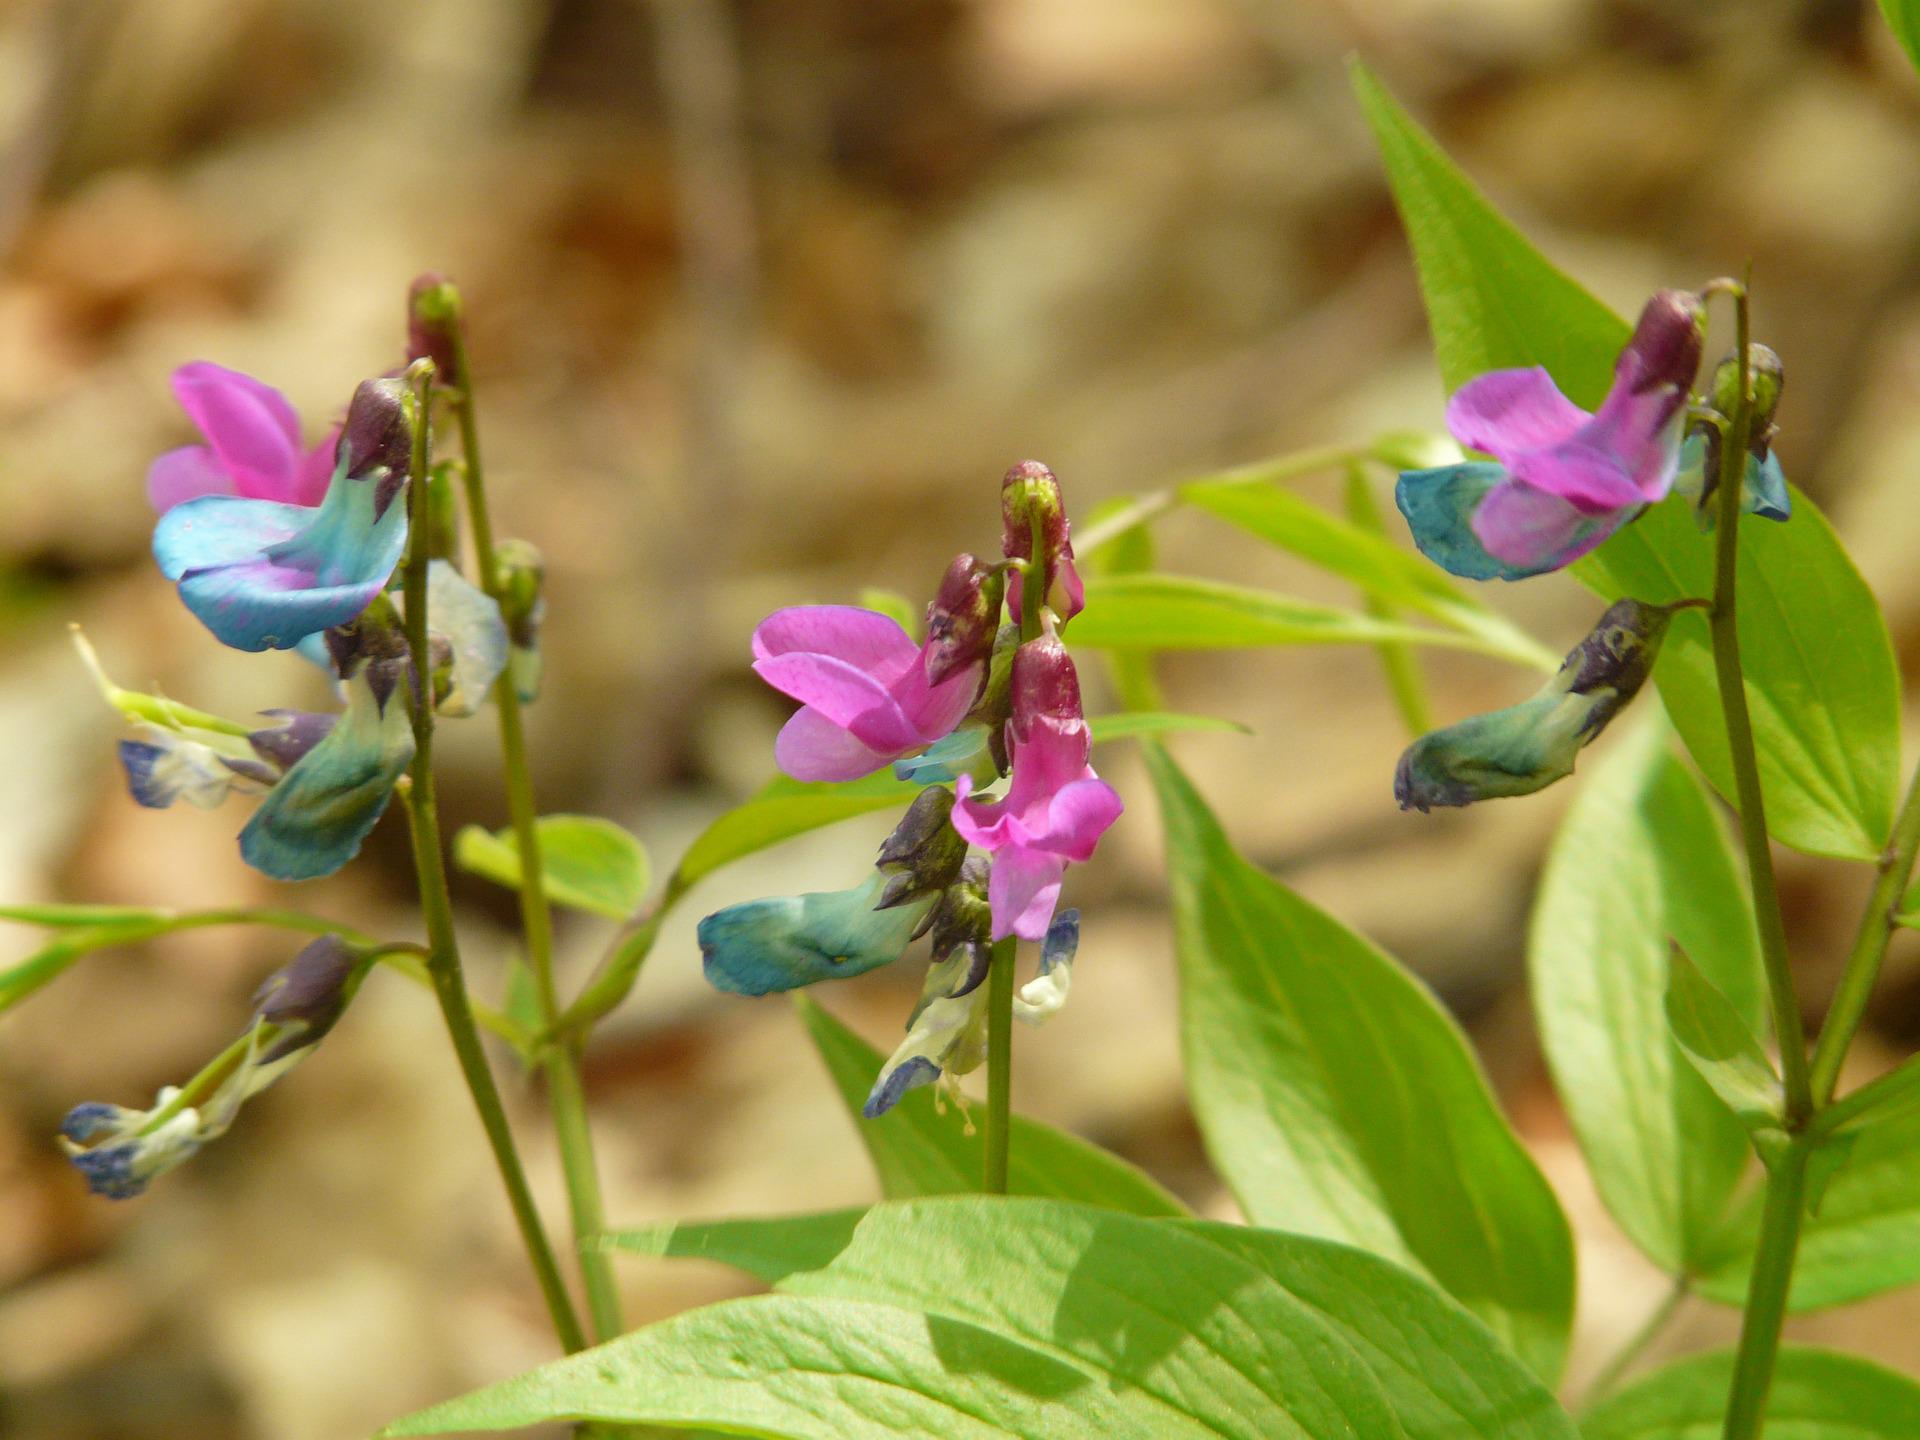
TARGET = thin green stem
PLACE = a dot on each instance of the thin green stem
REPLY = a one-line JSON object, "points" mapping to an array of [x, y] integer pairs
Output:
{"points": [[618, 971], [436, 903], [561, 1062], [1766, 1309], [1628, 1355], [999, 1063], [209, 1079], [1869, 948], [1156, 503], [1404, 680]]}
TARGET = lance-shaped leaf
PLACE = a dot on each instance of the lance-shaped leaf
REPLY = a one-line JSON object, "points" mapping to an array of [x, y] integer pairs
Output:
{"points": [[1338, 1099], [1820, 671], [782, 809], [1903, 18], [589, 863], [920, 1148], [1816, 1395], [1719, 1045]]}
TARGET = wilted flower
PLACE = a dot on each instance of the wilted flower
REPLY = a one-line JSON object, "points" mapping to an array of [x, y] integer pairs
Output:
{"points": [[264, 574], [1562, 480], [782, 943], [121, 1151], [1528, 746], [862, 683], [253, 445], [1056, 808]]}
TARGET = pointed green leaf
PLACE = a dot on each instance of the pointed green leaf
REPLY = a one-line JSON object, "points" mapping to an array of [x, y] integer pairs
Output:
{"points": [[919, 1150], [1903, 18], [1132, 724], [1820, 670], [590, 864], [1338, 1099], [1643, 860], [782, 809], [1816, 1395], [769, 1249], [1722, 1047], [1173, 612]]}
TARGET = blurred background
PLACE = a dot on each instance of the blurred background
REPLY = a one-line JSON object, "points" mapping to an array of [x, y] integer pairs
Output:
{"points": [[765, 296]]}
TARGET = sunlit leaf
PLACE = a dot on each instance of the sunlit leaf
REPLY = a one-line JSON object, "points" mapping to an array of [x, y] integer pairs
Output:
{"points": [[589, 864]]}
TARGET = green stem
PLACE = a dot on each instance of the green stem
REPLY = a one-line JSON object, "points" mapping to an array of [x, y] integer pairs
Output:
{"points": [[1869, 948], [1766, 1309], [616, 974], [1779, 1238], [1629, 1354], [999, 1063], [1402, 670], [1156, 503], [436, 903], [566, 1088]]}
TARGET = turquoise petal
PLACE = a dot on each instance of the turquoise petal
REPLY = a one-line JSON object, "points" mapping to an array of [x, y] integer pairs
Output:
{"points": [[964, 752], [263, 576], [1439, 506], [788, 941], [1764, 492], [313, 821]]}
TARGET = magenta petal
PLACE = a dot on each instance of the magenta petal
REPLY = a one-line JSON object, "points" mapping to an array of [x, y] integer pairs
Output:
{"points": [[250, 427], [1588, 477], [864, 639], [1022, 892], [185, 474], [1530, 529], [812, 747], [935, 710], [1070, 581], [1507, 411], [1079, 815], [315, 473], [846, 696]]}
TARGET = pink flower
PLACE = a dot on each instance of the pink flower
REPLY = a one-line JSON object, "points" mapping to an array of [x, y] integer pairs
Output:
{"points": [[862, 684], [253, 444], [1056, 809]]}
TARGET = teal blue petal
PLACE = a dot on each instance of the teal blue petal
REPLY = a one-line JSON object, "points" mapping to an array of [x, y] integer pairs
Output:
{"points": [[1764, 492], [788, 941], [1439, 506], [964, 752], [263, 576], [313, 821]]}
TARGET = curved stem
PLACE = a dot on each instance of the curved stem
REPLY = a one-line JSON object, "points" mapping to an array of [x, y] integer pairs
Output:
{"points": [[561, 1061], [999, 1063], [443, 958], [1869, 948]]}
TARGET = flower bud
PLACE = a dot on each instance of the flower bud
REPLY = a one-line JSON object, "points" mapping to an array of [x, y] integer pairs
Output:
{"points": [[1045, 684], [924, 853], [963, 618], [307, 995], [1666, 344], [433, 324], [1766, 378], [377, 440], [1528, 746], [523, 578], [1030, 494]]}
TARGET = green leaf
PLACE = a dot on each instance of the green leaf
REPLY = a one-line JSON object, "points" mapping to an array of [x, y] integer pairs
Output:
{"points": [[1173, 612], [1643, 860], [783, 809], [896, 607], [1722, 1047], [1444, 1374], [918, 1150], [55, 958], [976, 1317], [590, 864], [66, 917], [1903, 18], [1388, 574], [1864, 1239], [1820, 671], [1338, 1099], [1816, 1395], [1131, 724]]}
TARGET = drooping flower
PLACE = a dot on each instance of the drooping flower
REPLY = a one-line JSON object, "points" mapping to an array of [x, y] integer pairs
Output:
{"points": [[265, 574], [1529, 746], [121, 1151], [863, 687], [315, 818], [782, 943], [1055, 810], [1031, 491], [1561, 480], [253, 445]]}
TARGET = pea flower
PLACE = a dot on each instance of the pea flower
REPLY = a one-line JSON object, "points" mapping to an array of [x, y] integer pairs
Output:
{"points": [[863, 686], [1529, 746], [1561, 480], [1055, 810], [120, 1151], [253, 444], [264, 574]]}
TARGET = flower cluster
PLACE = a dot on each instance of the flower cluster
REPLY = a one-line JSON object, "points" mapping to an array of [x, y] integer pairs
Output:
{"points": [[977, 701]]}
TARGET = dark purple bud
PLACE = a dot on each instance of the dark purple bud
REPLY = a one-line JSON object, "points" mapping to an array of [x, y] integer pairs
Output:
{"points": [[377, 438], [924, 853], [1666, 344], [1044, 683], [961, 925], [433, 325], [283, 745], [308, 994], [963, 618]]}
